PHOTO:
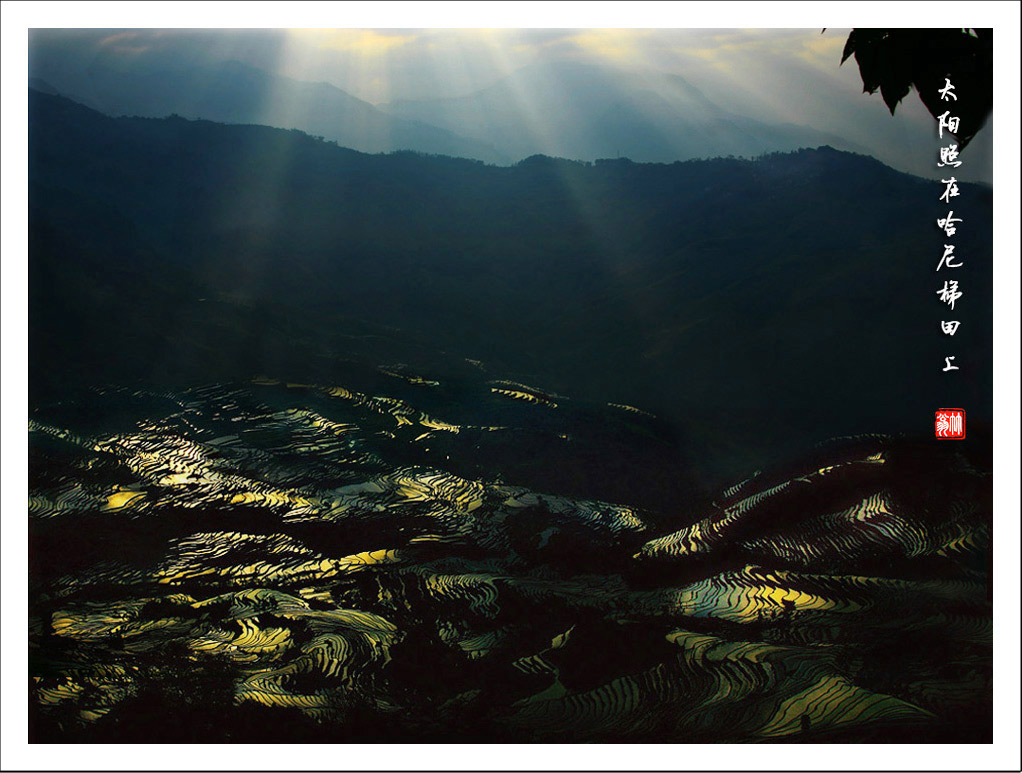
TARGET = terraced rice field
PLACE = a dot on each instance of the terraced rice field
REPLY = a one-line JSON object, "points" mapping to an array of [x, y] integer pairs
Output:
{"points": [[311, 562]]}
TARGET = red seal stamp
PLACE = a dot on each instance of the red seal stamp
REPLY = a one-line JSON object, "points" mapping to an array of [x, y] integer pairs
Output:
{"points": [[949, 423]]}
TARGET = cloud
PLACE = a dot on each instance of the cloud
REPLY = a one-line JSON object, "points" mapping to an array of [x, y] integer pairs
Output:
{"points": [[361, 42], [773, 75]]}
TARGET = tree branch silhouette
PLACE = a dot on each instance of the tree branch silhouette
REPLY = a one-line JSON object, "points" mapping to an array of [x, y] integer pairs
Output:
{"points": [[895, 60]]}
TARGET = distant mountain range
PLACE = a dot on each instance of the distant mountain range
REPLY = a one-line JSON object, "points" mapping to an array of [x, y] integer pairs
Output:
{"points": [[758, 305], [587, 112], [231, 92], [568, 110]]}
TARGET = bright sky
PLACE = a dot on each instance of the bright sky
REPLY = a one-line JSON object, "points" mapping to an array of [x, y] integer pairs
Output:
{"points": [[378, 65]]}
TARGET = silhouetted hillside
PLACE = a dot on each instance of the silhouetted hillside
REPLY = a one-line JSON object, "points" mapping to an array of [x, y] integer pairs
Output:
{"points": [[760, 305]]}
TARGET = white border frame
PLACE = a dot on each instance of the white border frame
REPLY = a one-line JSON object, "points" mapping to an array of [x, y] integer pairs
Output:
{"points": [[18, 17]]}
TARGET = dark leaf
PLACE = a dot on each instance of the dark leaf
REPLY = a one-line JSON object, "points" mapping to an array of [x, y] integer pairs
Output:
{"points": [[895, 71], [867, 47], [897, 59], [849, 47], [893, 92], [868, 70]]}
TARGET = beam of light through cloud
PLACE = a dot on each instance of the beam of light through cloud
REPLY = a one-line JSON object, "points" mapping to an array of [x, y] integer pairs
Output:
{"points": [[777, 76]]}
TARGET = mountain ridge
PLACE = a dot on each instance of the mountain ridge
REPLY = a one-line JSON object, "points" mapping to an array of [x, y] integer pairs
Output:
{"points": [[589, 111], [233, 92], [693, 290], [594, 112]]}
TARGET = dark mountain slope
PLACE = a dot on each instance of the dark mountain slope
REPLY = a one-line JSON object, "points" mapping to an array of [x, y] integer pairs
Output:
{"points": [[761, 305], [327, 447]]}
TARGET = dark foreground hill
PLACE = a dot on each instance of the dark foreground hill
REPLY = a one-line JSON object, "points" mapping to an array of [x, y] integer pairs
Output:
{"points": [[761, 305]]}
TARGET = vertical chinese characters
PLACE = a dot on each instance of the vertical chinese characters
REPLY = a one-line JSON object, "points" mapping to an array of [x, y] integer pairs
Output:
{"points": [[949, 293], [949, 423]]}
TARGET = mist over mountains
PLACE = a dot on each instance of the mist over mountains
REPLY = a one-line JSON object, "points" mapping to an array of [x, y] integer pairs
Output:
{"points": [[762, 305], [231, 92], [586, 111], [563, 109]]}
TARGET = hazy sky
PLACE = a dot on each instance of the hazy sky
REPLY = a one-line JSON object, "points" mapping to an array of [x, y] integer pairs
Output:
{"points": [[775, 75], [383, 64]]}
